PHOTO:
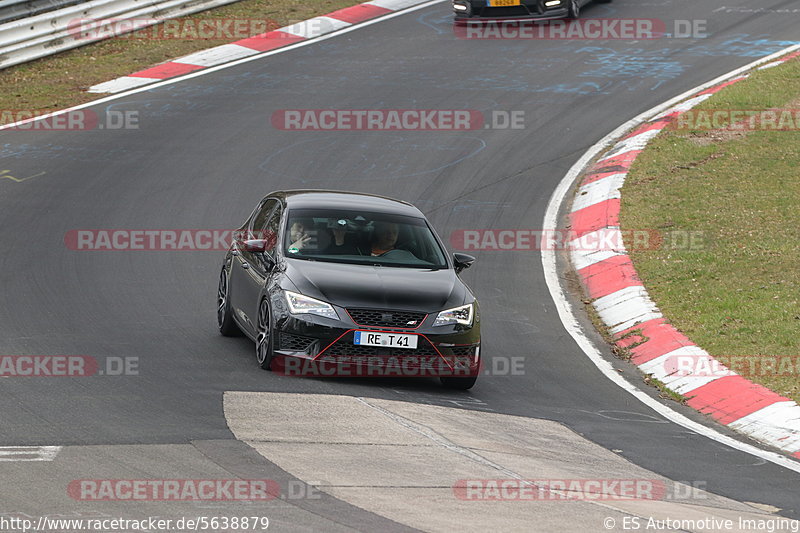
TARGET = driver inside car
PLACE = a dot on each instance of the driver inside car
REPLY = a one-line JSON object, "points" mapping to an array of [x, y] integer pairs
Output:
{"points": [[384, 242], [299, 234]]}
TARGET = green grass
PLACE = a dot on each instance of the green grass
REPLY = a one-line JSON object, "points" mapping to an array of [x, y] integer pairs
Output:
{"points": [[61, 80], [737, 294]]}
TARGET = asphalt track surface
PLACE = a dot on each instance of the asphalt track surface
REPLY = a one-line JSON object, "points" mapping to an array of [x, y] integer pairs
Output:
{"points": [[205, 152]]}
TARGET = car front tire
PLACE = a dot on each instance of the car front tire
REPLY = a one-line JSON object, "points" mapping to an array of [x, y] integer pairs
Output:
{"points": [[264, 338], [227, 326], [458, 383], [574, 9]]}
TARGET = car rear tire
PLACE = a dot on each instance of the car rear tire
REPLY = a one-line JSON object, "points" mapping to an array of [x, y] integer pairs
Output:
{"points": [[458, 383], [227, 326], [264, 338]]}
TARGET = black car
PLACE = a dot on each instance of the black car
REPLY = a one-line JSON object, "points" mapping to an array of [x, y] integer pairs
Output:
{"points": [[334, 283], [519, 9]]}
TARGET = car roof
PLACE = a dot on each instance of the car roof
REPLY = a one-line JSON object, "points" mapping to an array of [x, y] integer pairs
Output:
{"points": [[321, 199]]}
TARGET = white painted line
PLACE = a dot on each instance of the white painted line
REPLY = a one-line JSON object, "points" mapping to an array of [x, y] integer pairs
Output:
{"points": [[566, 313], [120, 84], [770, 65], [598, 191], [315, 27], [28, 453], [209, 70], [217, 55]]}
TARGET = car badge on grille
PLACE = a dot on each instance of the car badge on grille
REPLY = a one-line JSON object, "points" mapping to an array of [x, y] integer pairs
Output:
{"points": [[411, 323]]}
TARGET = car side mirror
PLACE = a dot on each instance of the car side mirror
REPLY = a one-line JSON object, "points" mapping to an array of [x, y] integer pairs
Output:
{"points": [[255, 246], [261, 248], [462, 261]]}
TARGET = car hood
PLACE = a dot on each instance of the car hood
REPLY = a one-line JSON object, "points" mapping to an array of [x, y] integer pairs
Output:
{"points": [[408, 289]]}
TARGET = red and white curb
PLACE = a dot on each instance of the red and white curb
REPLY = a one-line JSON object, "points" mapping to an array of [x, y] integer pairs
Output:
{"points": [[288, 35], [635, 321]]}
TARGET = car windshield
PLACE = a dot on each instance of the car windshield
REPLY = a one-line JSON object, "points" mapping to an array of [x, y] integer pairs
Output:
{"points": [[364, 238]]}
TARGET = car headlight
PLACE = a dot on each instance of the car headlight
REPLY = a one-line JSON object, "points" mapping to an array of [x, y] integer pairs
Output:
{"points": [[300, 304], [458, 315]]}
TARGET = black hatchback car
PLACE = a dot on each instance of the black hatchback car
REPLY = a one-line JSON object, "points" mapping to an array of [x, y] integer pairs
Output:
{"points": [[334, 283], [519, 9]]}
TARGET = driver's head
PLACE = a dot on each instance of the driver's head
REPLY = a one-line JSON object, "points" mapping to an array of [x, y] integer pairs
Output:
{"points": [[385, 235], [299, 227]]}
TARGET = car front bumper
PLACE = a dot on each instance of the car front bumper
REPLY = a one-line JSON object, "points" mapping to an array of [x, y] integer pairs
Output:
{"points": [[528, 10], [309, 345]]}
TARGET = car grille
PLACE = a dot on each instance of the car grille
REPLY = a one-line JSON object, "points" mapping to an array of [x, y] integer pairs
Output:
{"points": [[295, 343], [345, 347], [386, 319], [510, 11]]}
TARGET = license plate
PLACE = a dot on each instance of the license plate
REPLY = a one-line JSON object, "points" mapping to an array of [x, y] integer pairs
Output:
{"points": [[387, 340], [503, 3]]}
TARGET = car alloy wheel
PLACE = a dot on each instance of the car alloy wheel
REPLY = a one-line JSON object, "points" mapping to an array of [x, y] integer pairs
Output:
{"points": [[264, 337], [227, 326]]}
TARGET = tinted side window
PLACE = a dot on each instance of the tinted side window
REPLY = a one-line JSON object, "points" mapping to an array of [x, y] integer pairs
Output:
{"points": [[261, 217], [269, 231]]}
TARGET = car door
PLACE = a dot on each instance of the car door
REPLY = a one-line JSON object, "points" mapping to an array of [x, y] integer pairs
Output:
{"points": [[247, 268]]}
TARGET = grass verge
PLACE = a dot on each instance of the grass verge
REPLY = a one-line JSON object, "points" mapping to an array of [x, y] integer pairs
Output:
{"points": [[736, 292], [61, 80]]}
